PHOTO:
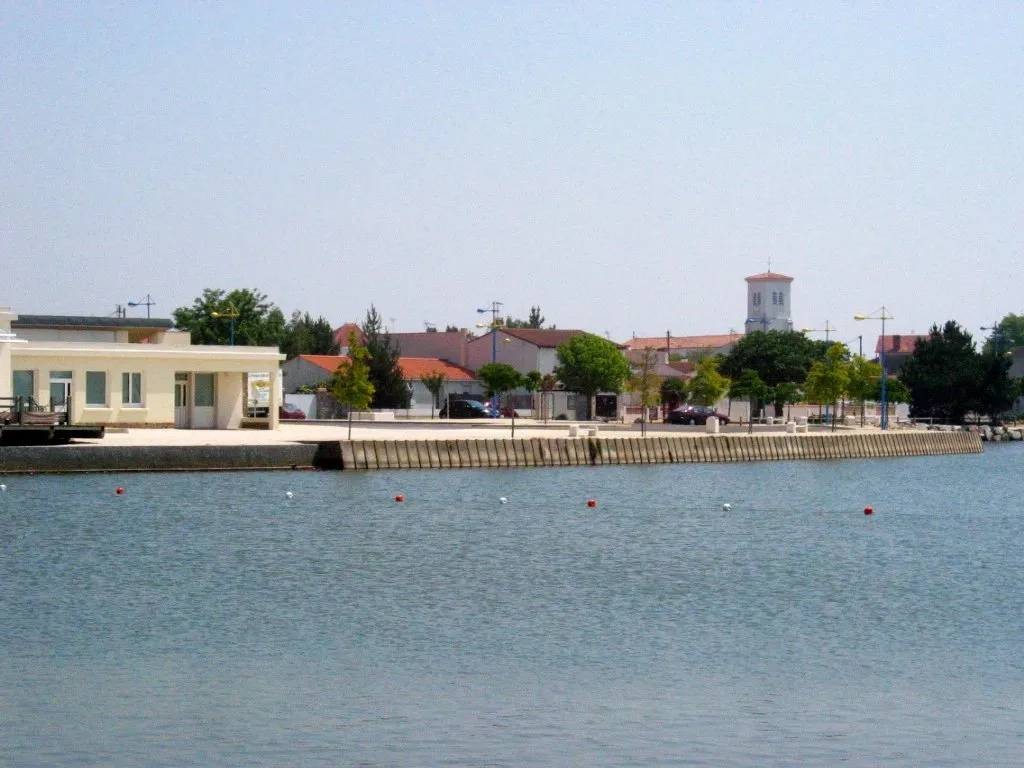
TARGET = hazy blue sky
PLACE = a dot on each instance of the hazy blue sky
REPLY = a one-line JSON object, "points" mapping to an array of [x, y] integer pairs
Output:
{"points": [[623, 165]]}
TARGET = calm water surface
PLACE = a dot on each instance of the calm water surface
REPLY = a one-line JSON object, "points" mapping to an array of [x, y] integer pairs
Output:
{"points": [[206, 619]]}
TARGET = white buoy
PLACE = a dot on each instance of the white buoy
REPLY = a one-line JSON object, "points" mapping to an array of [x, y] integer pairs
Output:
{"points": [[503, 500], [288, 494], [726, 507], [3, 487]]}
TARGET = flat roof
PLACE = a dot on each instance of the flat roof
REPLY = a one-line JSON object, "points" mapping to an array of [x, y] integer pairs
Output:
{"points": [[83, 322]]}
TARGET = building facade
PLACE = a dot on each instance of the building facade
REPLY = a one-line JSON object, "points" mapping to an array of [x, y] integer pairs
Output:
{"points": [[132, 372], [768, 302]]}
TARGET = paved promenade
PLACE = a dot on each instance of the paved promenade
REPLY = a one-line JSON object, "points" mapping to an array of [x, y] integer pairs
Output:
{"points": [[301, 432]]}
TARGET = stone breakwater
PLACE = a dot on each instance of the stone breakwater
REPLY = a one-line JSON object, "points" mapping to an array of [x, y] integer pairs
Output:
{"points": [[465, 453], [999, 434]]}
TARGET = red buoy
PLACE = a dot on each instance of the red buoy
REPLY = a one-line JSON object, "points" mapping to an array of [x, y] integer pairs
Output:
{"points": [[868, 510], [591, 503], [119, 491], [399, 497]]}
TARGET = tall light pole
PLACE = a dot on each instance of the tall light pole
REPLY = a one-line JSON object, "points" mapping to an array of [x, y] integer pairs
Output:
{"points": [[997, 335], [495, 310], [883, 316], [232, 314], [826, 330], [147, 304]]}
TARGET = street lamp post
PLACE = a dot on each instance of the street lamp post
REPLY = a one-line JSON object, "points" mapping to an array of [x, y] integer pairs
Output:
{"points": [[883, 316], [232, 314], [147, 304], [826, 330], [495, 310]]}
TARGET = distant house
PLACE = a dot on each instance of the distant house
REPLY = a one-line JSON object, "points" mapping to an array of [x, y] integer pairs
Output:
{"points": [[452, 346], [310, 370], [898, 349], [686, 347], [1017, 372], [342, 333], [525, 349]]}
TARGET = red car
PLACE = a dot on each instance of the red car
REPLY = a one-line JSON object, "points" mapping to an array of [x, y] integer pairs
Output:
{"points": [[290, 411]]}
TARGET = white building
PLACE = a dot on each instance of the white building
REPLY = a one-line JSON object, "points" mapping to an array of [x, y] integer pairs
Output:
{"points": [[768, 302], [132, 372]]}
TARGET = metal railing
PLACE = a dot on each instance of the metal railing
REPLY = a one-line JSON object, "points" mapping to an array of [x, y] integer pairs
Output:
{"points": [[25, 411]]}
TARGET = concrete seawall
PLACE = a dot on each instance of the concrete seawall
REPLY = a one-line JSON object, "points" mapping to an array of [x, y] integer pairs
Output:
{"points": [[487, 452], [580, 452]]}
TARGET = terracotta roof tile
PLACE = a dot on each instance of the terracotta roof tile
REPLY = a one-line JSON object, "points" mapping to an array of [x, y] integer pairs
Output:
{"points": [[412, 367], [683, 342], [770, 276], [899, 343], [341, 334], [539, 337]]}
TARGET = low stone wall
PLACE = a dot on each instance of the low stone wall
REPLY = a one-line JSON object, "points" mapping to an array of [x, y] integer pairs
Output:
{"points": [[109, 458], [480, 452], [593, 451]]}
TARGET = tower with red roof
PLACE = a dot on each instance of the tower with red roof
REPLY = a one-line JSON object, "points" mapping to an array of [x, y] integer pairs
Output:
{"points": [[768, 302]]}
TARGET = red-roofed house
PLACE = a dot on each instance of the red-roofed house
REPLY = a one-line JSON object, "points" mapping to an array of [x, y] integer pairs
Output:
{"points": [[898, 349], [309, 370], [341, 335], [687, 347], [525, 349]]}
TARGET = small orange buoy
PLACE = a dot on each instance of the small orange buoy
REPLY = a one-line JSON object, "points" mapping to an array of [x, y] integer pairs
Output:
{"points": [[399, 497], [119, 491], [868, 510], [591, 503]]}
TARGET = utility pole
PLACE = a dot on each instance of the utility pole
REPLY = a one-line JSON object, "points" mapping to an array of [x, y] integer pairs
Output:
{"points": [[147, 304]]}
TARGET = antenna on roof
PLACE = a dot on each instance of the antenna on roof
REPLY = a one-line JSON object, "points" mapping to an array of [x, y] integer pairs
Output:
{"points": [[769, 263]]}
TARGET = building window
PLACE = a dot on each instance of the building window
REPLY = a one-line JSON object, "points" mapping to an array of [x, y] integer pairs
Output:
{"points": [[775, 297], [96, 388], [203, 388], [60, 388], [131, 389], [25, 384], [782, 299], [757, 298]]}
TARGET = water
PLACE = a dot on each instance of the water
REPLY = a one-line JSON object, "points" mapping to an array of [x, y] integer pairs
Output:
{"points": [[205, 619]]}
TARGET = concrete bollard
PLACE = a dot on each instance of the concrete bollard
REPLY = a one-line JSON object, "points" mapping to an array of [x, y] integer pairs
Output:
{"points": [[574, 430], [790, 427], [592, 431], [712, 426]]}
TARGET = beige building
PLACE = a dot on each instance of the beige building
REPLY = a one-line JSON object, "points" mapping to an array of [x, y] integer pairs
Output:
{"points": [[135, 372]]}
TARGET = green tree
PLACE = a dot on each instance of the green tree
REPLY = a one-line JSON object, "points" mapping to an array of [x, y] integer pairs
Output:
{"points": [[390, 390], [535, 320], [350, 383], [435, 383], [256, 320], [750, 386], [588, 364], [777, 357], [501, 378], [943, 374], [708, 386], [828, 379], [786, 393], [673, 392], [531, 383], [1007, 334], [305, 336], [864, 377], [645, 383], [996, 391]]}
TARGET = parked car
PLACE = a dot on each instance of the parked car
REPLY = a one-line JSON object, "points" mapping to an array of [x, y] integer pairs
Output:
{"points": [[467, 409], [290, 411], [694, 414]]}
